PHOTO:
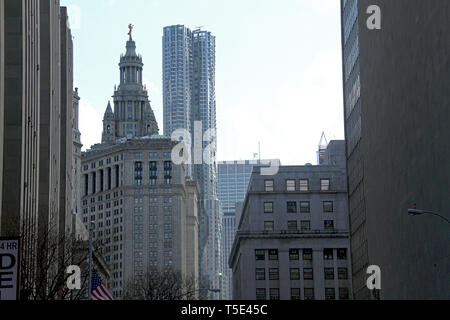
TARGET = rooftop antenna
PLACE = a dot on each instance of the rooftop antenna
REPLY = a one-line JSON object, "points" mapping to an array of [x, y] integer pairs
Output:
{"points": [[322, 149]]}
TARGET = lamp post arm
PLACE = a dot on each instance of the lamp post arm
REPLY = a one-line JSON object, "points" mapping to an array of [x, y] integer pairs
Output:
{"points": [[438, 215]]}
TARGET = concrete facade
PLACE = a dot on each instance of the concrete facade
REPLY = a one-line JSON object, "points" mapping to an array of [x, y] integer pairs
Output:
{"points": [[233, 183], [76, 159], [66, 122], [33, 63], [2, 88], [143, 206], [404, 140], [354, 155], [292, 240]]}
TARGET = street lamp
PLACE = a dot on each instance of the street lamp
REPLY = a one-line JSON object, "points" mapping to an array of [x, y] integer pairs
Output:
{"points": [[417, 212]]}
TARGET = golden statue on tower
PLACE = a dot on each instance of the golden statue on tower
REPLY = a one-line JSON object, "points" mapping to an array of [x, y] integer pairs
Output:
{"points": [[130, 26]]}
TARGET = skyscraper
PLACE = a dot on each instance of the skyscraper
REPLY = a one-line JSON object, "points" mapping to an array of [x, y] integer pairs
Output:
{"points": [[190, 105], [396, 101], [355, 156], [143, 205], [36, 88]]}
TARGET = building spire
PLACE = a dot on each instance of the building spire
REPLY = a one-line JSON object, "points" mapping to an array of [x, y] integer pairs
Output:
{"points": [[108, 109]]}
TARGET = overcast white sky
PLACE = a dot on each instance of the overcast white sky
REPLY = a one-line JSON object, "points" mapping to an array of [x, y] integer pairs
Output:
{"points": [[278, 72]]}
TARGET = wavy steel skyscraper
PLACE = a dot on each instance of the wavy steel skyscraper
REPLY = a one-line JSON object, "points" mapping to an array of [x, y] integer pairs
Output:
{"points": [[190, 104]]}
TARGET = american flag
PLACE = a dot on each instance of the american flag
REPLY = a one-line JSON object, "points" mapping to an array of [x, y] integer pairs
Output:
{"points": [[99, 291]]}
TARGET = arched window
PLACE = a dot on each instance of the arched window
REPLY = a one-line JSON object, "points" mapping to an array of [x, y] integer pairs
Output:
{"points": [[108, 129]]}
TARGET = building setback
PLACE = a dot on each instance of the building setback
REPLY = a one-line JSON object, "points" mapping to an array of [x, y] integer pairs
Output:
{"points": [[292, 240], [396, 118], [190, 112], [142, 204]]}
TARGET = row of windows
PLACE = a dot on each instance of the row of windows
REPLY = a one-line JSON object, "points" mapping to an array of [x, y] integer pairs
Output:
{"points": [[100, 198], [274, 294], [305, 225], [291, 186], [294, 274], [101, 163], [305, 207], [153, 173], [294, 254]]}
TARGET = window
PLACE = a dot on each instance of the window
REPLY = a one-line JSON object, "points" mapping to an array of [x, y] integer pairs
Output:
{"points": [[292, 207], [309, 293], [325, 184], [260, 274], [260, 255], [138, 173], [342, 273], [268, 226], [305, 225], [343, 294], [330, 294], [273, 254], [292, 225], [294, 273], [304, 185], [274, 294], [290, 185], [274, 274], [268, 185], [308, 274], [328, 254], [268, 207], [293, 254], [329, 273], [295, 294], [342, 254], [328, 206], [261, 294], [305, 207], [307, 254], [328, 225]]}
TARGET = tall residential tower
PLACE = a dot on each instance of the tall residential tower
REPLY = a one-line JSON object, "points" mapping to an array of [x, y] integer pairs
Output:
{"points": [[190, 105]]}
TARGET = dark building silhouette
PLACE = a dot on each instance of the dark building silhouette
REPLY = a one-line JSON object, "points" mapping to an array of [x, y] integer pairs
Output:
{"points": [[396, 121]]}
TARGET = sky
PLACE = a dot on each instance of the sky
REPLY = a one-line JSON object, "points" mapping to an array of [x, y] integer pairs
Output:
{"points": [[278, 68]]}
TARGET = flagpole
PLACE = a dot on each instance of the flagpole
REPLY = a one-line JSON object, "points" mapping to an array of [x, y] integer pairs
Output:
{"points": [[91, 228]]}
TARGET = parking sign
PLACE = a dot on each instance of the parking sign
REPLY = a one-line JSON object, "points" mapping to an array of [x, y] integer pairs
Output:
{"points": [[9, 268]]}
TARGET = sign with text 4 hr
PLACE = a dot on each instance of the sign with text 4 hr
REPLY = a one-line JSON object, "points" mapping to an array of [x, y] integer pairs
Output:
{"points": [[9, 268]]}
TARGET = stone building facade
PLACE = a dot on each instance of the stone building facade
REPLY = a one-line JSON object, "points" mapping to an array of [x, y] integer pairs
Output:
{"points": [[142, 204], [292, 240]]}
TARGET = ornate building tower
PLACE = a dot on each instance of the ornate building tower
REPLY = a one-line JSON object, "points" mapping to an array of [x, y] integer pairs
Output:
{"points": [[133, 115], [109, 130]]}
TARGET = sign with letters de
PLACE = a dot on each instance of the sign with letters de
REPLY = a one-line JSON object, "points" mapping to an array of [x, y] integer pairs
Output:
{"points": [[9, 268]]}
